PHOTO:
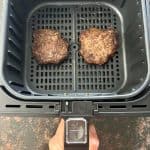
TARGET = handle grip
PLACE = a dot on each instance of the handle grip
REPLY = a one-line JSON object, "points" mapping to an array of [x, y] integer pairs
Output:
{"points": [[76, 134]]}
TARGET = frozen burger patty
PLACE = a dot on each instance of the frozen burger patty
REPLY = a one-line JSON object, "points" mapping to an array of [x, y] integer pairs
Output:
{"points": [[49, 46], [98, 45]]}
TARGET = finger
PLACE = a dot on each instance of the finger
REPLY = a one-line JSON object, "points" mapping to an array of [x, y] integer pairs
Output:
{"points": [[60, 129], [58, 139], [92, 130], [93, 138], [93, 144]]}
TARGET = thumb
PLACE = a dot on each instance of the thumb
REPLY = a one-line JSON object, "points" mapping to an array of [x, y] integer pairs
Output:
{"points": [[60, 129], [93, 138]]}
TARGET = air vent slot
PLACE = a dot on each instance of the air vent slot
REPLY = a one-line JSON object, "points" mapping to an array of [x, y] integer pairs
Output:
{"points": [[139, 106], [51, 107], [13, 106], [99, 106], [118, 106], [34, 106]]}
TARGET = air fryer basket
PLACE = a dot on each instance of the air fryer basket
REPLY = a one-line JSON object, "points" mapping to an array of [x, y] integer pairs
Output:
{"points": [[124, 76]]}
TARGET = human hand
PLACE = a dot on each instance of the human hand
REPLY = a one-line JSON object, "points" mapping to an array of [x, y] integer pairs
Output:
{"points": [[57, 141]]}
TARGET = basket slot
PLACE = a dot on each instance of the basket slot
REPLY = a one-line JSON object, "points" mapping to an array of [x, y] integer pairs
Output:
{"points": [[13, 30], [16, 84], [14, 77], [14, 62], [13, 11], [15, 43], [25, 92], [15, 22], [14, 67], [14, 55], [13, 49]]}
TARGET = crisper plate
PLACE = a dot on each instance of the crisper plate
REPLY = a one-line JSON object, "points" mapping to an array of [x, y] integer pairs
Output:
{"points": [[73, 75]]}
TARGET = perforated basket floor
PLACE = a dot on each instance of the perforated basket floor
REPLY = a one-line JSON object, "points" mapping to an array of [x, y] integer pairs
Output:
{"points": [[73, 75]]}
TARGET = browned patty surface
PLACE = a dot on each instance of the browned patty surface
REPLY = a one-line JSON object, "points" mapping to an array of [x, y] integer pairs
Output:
{"points": [[49, 46], [98, 45]]}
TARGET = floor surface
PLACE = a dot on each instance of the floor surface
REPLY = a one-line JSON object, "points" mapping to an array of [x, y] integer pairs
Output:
{"points": [[115, 133]]}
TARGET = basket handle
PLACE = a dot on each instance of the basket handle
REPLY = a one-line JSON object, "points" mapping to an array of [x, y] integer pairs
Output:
{"points": [[76, 134]]}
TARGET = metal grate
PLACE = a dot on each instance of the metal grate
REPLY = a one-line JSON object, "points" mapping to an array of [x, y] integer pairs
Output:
{"points": [[73, 75]]}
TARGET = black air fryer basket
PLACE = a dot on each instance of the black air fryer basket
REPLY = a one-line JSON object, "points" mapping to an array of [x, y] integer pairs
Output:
{"points": [[119, 86]]}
